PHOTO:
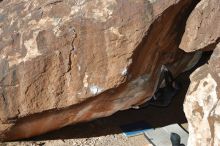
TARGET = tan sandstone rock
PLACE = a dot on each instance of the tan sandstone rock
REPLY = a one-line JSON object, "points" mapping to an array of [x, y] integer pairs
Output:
{"points": [[63, 61], [202, 106], [202, 29]]}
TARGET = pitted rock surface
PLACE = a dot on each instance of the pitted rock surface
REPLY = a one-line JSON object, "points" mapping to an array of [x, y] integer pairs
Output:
{"points": [[201, 105]]}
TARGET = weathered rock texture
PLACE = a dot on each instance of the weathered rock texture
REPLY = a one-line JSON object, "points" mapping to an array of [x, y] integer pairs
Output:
{"points": [[63, 62], [202, 30], [202, 105]]}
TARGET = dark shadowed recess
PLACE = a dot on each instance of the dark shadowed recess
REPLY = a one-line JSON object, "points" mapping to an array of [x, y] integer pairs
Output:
{"points": [[155, 116]]}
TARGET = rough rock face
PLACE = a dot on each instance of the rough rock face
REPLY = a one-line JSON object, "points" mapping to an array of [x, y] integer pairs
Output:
{"points": [[202, 29], [202, 105], [63, 62]]}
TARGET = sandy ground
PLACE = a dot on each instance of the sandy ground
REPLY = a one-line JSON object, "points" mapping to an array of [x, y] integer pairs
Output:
{"points": [[109, 140]]}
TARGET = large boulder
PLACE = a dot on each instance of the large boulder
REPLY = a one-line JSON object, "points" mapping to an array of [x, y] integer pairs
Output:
{"points": [[202, 106], [202, 103], [202, 29], [63, 62]]}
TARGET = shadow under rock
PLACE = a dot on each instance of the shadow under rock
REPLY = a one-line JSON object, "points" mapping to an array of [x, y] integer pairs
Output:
{"points": [[154, 116]]}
